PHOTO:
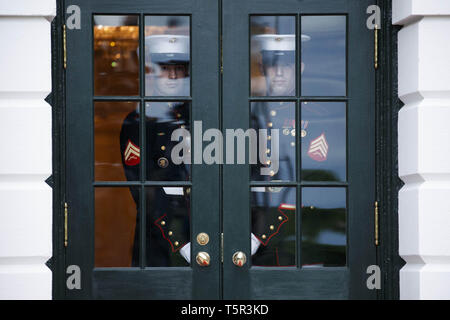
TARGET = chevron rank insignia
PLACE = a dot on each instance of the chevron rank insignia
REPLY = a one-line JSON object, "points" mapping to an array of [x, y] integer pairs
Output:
{"points": [[318, 148], [132, 154]]}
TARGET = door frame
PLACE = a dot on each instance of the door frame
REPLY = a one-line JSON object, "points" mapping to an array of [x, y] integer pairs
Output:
{"points": [[387, 181]]}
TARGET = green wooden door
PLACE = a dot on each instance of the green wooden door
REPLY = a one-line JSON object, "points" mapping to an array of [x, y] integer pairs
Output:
{"points": [[306, 226], [138, 70], [132, 227]]}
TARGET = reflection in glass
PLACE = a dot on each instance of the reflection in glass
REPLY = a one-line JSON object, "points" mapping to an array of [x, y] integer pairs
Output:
{"points": [[281, 116], [162, 118], [168, 226], [167, 56], [324, 237], [272, 55], [324, 57], [112, 149], [273, 238], [115, 220], [116, 63], [323, 141]]}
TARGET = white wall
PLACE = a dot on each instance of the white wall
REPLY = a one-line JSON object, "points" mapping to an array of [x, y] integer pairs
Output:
{"points": [[424, 147], [25, 148]]}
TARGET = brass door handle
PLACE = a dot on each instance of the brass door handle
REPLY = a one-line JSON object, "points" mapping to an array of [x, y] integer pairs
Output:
{"points": [[239, 258], [203, 259]]}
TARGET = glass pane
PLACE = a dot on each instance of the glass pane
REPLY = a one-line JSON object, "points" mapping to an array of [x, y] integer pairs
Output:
{"points": [[162, 118], [115, 221], [272, 58], [168, 226], [116, 140], [281, 116], [323, 139], [167, 56], [324, 56], [273, 235], [116, 63], [324, 227]]}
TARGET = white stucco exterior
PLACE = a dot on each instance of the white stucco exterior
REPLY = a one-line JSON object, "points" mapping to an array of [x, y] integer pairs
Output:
{"points": [[26, 148], [424, 147]]}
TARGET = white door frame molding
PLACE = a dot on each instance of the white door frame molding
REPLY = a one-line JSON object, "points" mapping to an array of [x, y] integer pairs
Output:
{"points": [[424, 152]]}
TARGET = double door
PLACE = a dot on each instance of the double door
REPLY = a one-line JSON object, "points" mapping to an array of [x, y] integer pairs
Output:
{"points": [[220, 149]]}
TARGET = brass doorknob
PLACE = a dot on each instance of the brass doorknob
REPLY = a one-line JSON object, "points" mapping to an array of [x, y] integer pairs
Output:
{"points": [[239, 258], [203, 259]]}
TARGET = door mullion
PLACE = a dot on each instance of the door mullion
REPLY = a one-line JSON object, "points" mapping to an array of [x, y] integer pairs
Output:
{"points": [[142, 209]]}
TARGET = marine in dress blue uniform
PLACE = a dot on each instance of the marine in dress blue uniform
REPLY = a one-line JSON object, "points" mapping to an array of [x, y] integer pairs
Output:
{"points": [[167, 208], [273, 210]]}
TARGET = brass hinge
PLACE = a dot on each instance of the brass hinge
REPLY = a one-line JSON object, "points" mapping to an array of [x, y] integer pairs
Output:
{"points": [[221, 247], [377, 240], [66, 212], [376, 48], [64, 46], [221, 56]]}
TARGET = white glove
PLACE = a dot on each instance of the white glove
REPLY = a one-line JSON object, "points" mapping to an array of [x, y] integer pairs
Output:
{"points": [[186, 252], [255, 244]]}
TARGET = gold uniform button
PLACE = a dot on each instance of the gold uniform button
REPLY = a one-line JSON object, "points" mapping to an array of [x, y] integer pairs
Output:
{"points": [[163, 162], [273, 113], [264, 236], [163, 223], [311, 207], [286, 132], [270, 124], [269, 137], [176, 243], [272, 173], [163, 148], [170, 233], [280, 218], [272, 227], [268, 151], [293, 132], [292, 144]]}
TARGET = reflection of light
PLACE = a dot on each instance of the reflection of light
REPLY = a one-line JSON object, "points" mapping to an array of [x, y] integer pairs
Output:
{"points": [[333, 238], [112, 44], [319, 24], [100, 27]]}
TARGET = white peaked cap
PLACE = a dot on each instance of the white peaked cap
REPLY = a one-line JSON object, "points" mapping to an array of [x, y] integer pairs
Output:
{"points": [[166, 43], [278, 42]]}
